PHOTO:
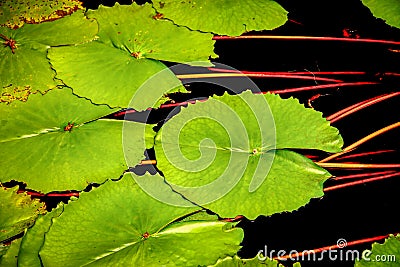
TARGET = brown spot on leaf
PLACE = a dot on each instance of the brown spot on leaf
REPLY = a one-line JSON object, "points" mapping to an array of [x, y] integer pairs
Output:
{"points": [[68, 127], [61, 13], [158, 16], [146, 235], [136, 55], [11, 94]]}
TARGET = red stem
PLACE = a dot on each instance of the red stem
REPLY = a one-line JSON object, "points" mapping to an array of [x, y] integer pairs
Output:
{"points": [[293, 73], [307, 38], [361, 105], [363, 181], [291, 90], [36, 194], [232, 74], [337, 246], [316, 87], [364, 154], [355, 176]]}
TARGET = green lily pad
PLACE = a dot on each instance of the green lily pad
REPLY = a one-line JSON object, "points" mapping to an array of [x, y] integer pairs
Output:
{"points": [[388, 10], [25, 68], [224, 17], [57, 142], [117, 67], [237, 144], [133, 229], [254, 262], [10, 258], [33, 239], [14, 13], [17, 212], [385, 255]]}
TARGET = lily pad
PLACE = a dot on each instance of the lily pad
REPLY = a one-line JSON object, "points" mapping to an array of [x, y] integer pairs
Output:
{"points": [[33, 239], [17, 212], [237, 144], [224, 17], [57, 142], [10, 258], [25, 68], [113, 69], [385, 255], [388, 10], [14, 13], [133, 229]]}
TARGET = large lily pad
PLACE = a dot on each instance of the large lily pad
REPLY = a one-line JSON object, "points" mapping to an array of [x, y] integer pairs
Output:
{"points": [[15, 13], [25, 68], [115, 67], [224, 17], [56, 141], [385, 255], [17, 212], [229, 144], [388, 10], [118, 224]]}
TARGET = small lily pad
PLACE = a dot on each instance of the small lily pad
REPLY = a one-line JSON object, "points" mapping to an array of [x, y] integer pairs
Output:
{"points": [[382, 255]]}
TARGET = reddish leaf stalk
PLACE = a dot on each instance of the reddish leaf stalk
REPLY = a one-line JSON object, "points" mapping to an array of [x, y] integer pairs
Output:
{"points": [[357, 165], [363, 181], [359, 106], [307, 38], [293, 72], [362, 141], [323, 86], [355, 176], [36, 194], [254, 75], [365, 154]]}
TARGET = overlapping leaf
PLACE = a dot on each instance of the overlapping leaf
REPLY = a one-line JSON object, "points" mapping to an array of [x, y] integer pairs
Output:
{"points": [[56, 142], [115, 67], [229, 144], [388, 10], [119, 224], [10, 257], [15, 13], [32, 242], [24, 66], [17, 212], [385, 255], [224, 17]]}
